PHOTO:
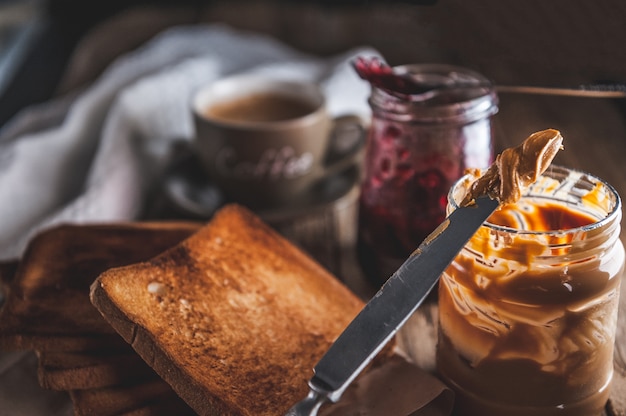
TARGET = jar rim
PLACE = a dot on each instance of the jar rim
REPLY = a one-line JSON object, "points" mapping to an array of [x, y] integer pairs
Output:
{"points": [[458, 106], [613, 214]]}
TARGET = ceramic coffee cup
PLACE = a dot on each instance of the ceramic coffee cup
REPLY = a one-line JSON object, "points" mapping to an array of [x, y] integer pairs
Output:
{"points": [[265, 141]]}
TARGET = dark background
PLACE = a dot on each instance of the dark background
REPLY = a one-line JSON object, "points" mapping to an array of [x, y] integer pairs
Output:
{"points": [[557, 42]]}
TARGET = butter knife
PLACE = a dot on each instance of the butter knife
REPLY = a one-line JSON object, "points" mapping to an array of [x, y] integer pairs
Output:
{"points": [[390, 307]]}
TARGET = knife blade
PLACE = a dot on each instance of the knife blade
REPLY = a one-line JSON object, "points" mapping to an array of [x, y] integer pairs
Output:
{"points": [[393, 304]]}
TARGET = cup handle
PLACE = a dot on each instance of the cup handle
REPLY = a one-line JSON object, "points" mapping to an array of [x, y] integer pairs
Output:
{"points": [[347, 142]]}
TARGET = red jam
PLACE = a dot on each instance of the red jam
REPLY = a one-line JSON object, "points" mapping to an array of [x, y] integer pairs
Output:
{"points": [[416, 151]]}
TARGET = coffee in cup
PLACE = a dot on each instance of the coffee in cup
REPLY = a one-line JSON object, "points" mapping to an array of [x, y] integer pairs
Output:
{"points": [[265, 141], [260, 107]]}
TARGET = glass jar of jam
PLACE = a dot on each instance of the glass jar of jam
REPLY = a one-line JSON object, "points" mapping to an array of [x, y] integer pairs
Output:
{"points": [[416, 149], [528, 309]]}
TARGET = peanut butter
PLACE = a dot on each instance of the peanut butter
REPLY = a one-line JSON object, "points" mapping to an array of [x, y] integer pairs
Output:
{"points": [[528, 309], [516, 168]]}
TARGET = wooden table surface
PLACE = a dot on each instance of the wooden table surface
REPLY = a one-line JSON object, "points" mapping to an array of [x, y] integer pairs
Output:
{"points": [[594, 141]]}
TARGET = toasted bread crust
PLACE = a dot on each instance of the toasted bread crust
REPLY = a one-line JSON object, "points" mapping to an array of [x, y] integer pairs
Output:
{"points": [[130, 398], [90, 370], [234, 317]]}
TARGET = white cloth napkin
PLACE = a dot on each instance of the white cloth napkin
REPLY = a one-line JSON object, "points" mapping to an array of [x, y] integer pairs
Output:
{"points": [[91, 157]]}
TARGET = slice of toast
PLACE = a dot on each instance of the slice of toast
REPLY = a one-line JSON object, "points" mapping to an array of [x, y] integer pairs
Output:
{"points": [[151, 397], [59, 370], [233, 318], [48, 305]]}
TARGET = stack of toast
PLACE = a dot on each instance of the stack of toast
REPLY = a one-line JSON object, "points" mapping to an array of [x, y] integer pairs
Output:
{"points": [[225, 318], [47, 309]]}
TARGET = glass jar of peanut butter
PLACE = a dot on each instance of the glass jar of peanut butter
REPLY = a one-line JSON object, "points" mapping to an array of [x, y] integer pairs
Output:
{"points": [[528, 309]]}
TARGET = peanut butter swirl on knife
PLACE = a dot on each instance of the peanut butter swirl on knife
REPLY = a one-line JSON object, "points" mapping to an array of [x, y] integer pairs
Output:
{"points": [[516, 168]]}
